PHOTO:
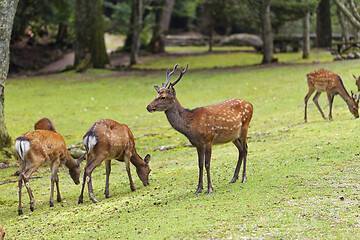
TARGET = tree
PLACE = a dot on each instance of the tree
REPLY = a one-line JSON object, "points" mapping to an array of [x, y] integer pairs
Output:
{"points": [[323, 24], [266, 31], [89, 47], [306, 35], [351, 13], [162, 10], [137, 14], [7, 13]]}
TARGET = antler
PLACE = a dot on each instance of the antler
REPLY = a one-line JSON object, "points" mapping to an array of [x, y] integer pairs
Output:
{"points": [[168, 75], [181, 74]]}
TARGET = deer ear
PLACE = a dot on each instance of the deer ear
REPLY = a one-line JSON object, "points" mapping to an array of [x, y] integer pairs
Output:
{"points": [[80, 159], [157, 88], [355, 77], [147, 158]]}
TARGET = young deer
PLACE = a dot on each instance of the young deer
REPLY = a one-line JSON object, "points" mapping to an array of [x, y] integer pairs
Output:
{"points": [[322, 80], [106, 140], [225, 122], [45, 124], [357, 81], [34, 148]]}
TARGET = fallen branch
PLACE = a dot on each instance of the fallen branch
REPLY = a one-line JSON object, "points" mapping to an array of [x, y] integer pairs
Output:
{"points": [[168, 147], [11, 181]]}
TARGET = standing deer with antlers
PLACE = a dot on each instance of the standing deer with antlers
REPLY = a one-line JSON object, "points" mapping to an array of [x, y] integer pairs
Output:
{"points": [[225, 122], [37, 147], [322, 80]]}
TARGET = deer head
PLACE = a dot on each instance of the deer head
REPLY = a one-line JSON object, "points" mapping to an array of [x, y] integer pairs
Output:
{"points": [[354, 105], [357, 81], [166, 93], [144, 171]]}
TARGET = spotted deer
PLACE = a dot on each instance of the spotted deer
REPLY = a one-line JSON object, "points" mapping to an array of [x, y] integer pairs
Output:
{"points": [[357, 81], [225, 122], [38, 147], [322, 80], [45, 124], [106, 140]]}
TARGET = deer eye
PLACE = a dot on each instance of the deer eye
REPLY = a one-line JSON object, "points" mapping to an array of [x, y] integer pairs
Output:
{"points": [[162, 97]]}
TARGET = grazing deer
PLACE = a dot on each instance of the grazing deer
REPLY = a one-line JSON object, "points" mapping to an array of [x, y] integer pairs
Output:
{"points": [[322, 80], [34, 148], [225, 122], [106, 140], [45, 124], [357, 79], [2, 233]]}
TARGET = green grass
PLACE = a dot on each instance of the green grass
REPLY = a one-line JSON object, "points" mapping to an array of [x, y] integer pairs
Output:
{"points": [[221, 59], [303, 179]]}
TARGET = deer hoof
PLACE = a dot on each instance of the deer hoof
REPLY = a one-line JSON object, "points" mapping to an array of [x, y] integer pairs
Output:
{"points": [[20, 211], [80, 200]]}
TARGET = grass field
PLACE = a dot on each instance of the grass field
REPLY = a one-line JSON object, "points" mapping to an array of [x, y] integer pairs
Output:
{"points": [[303, 180]]}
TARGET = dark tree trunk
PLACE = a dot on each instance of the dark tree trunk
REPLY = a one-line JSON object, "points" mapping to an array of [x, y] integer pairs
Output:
{"points": [[208, 23], [137, 9], [323, 24], [90, 48], [7, 13], [61, 34], [266, 32]]}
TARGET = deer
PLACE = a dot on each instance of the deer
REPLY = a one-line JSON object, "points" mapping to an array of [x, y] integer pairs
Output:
{"points": [[2, 233], [38, 147], [225, 122], [45, 124], [322, 80], [357, 81], [106, 140]]}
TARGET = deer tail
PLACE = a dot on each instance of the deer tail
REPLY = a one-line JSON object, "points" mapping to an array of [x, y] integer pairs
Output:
{"points": [[22, 146]]}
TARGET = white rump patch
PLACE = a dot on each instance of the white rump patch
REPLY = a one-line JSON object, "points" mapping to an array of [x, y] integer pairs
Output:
{"points": [[89, 142], [22, 147]]}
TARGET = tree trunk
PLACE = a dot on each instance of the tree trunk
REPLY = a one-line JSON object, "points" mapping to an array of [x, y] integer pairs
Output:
{"points": [[7, 13], [265, 19], [323, 24], [89, 48], [354, 21], [137, 9], [157, 44], [344, 27], [306, 36], [163, 13], [61, 34], [208, 23]]}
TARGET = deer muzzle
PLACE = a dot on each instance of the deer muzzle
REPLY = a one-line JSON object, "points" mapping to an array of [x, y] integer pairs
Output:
{"points": [[150, 109]]}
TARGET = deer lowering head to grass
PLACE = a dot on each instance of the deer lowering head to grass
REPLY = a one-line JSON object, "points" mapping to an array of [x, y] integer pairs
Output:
{"points": [[45, 124], [322, 80], [43, 146], [2, 233], [225, 122], [357, 81], [106, 140]]}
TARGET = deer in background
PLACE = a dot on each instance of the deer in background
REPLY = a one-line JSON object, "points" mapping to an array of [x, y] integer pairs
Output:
{"points": [[37, 147], [225, 122], [322, 80], [45, 124], [106, 140], [357, 81]]}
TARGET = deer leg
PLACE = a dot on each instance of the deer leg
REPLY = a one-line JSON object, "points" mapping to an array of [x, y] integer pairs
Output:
{"points": [[127, 166], [21, 171], [89, 171], [315, 99], [201, 169], [26, 177], [306, 101], [207, 167], [81, 197], [54, 179], [108, 171], [237, 143], [330, 99]]}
